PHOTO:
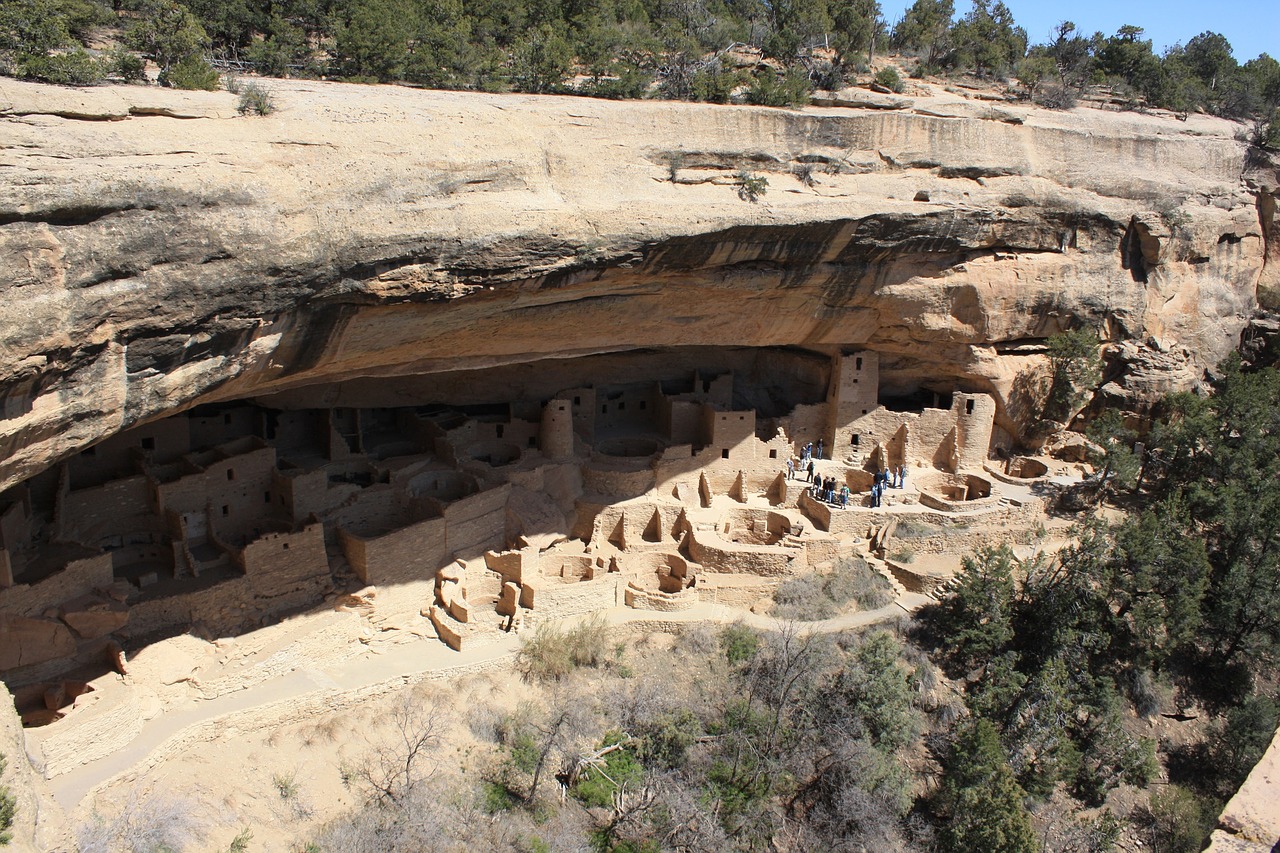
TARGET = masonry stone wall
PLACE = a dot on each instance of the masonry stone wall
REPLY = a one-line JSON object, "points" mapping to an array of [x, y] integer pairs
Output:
{"points": [[477, 523], [79, 577], [412, 552], [558, 600], [292, 566], [161, 441], [89, 516]]}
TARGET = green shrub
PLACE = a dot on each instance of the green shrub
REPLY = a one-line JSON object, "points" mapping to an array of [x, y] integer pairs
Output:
{"points": [[255, 100], [888, 77], [769, 90], [126, 65], [193, 72], [1179, 820], [621, 770], [74, 68], [495, 799], [751, 187], [739, 642]]}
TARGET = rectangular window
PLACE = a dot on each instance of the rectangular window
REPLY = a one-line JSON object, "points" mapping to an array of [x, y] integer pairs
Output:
{"points": [[604, 409], [622, 406], [968, 407], [853, 439], [857, 364], [724, 453], [500, 428], [286, 546], [231, 475], [773, 454], [266, 497], [577, 401], [226, 510]]}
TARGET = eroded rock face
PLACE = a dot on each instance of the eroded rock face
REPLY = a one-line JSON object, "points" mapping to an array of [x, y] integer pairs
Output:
{"points": [[157, 251]]}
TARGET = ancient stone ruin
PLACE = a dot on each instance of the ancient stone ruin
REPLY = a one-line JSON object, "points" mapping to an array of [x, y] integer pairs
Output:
{"points": [[656, 494]]}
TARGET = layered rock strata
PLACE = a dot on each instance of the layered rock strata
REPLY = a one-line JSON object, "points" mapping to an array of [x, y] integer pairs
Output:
{"points": [[158, 251]]}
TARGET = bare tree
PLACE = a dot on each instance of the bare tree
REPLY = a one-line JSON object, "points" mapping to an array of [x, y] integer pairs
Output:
{"points": [[397, 767]]}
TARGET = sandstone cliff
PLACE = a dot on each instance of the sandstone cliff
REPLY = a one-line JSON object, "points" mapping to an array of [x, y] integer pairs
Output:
{"points": [[158, 250]]}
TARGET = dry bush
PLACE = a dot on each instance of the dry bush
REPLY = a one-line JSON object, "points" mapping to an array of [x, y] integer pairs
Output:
{"points": [[551, 654], [147, 823]]}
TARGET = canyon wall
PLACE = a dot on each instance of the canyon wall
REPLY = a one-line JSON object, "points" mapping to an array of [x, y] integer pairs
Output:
{"points": [[373, 245]]}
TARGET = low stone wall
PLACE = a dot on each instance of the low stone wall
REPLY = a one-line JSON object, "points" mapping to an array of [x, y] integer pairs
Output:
{"points": [[935, 501], [720, 555], [736, 590], [665, 602], [556, 600], [70, 746]]}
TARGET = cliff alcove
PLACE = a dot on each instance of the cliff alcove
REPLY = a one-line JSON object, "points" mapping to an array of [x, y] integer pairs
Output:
{"points": [[434, 363]]}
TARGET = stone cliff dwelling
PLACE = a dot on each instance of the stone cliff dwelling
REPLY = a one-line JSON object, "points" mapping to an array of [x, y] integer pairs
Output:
{"points": [[656, 494]]}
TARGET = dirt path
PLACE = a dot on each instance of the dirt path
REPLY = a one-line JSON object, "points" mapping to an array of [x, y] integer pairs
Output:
{"points": [[373, 673]]}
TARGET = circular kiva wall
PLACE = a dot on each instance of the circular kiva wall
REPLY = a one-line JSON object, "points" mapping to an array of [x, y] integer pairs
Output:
{"points": [[1018, 469], [660, 570], [494, 453], [628, 448], [444, 486], [957, 492]]}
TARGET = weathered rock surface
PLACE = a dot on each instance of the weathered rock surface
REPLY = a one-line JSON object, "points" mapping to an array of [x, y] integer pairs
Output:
{"points": [[25, 641], [157, 250]]}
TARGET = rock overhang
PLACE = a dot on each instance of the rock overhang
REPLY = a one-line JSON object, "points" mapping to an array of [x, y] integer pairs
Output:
{"points": [[155, 262]]}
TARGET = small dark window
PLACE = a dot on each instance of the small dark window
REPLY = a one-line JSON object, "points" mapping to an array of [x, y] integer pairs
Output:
{"points": [[231, 474], [853, 439], [622, 406], [266, 497], [968, 407], [643, 405], [864, 411], [226, 510], [148, 444], [855, 380], [500, 427], [560, 408], [577, 401], [742, 417], [286, 546], [773, 454], [604, 410], [724, 454], [857, 364]]}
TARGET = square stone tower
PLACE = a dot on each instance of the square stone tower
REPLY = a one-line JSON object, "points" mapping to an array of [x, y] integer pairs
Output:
{"points": [[854, 389]]}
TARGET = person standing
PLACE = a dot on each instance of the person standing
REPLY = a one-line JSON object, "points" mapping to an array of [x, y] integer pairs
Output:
{"points": [[791, 467], [812, 467], [819, 451]]}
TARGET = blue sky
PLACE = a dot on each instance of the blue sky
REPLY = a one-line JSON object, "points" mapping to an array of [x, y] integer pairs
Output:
{"points": [[1252, 26]]}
